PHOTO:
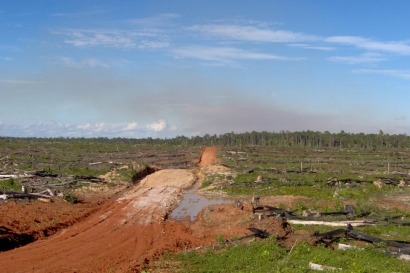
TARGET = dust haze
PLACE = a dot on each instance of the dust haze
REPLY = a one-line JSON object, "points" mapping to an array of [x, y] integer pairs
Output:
{"points": [[190, 104]]}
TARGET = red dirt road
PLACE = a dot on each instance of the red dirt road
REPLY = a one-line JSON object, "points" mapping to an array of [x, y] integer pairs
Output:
{"points": [[121, 237], [127, 233]]}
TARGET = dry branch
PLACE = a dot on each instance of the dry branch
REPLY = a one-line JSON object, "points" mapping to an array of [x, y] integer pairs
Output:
{"points": [[320, 267], [354, 223]]}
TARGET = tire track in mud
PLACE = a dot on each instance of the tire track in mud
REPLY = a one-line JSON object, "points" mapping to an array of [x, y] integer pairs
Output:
{"points": [[124, 235]]}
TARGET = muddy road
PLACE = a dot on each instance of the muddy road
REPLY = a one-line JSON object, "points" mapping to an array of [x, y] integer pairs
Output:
{"points": [[124, 234], [128, 232]]}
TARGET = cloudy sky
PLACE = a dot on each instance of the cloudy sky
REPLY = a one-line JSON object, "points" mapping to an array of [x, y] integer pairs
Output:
{"points": [[167, 68]]}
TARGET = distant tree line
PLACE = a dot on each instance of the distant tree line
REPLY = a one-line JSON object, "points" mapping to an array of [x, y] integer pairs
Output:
{"points": [[310, 139], [303, 139]]}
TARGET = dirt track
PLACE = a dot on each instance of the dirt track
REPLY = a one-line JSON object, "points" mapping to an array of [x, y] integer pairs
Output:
{"points": [[122, 236], [127, 233]]}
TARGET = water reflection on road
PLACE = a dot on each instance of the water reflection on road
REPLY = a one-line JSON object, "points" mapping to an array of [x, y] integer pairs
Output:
{"points": [[192, 204]]}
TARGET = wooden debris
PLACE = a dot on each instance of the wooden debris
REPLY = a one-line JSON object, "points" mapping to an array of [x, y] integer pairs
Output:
{"points": [[320, 267], [354, 223], [341, 246], [45, 200], [404, 257]]}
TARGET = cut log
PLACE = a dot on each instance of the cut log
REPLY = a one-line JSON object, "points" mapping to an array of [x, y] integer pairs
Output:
{"points": [[45, 200], [346, 247], [320, 267], [404, 257], [354, 223]]}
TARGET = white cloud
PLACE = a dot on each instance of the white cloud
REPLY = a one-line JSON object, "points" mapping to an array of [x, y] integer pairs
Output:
{"points": [[403, 74], [90, 62], [360, 59], [77, 14], [113, 38], [157, 22], [157, 126], [131, 126], [94, 127], [395, 47], [252, 33], [90, 129], [222, 54], [105, 38], [314, 47], [153, 44]]}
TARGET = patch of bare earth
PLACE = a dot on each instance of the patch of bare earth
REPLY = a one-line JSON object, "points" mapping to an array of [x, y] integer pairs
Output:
{"points": [[208, 156], [131, 230], [124, 235], [397, 201]]}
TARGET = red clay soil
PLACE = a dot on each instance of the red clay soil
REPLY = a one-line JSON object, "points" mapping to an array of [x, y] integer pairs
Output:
{"points": [[24, 221], [128, 233], [208, 156], [124, 235]]}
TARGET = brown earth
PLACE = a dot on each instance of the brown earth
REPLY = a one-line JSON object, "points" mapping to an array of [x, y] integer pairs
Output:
{"points": [[128, 231], [208, 156]]}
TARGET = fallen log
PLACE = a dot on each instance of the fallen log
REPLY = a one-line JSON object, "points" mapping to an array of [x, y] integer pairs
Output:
{"points": [[263, 234], [341, 246], [8, 176], [21, 195], [404, 246], [320, 267], [330, 234], [354, 223]]}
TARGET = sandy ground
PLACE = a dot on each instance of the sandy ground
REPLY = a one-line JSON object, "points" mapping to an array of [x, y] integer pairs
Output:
{"points": [[127, 232]]}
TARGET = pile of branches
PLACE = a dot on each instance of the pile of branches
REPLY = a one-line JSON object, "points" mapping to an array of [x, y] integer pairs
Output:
{"points": [[393, 247], [43, 185]]}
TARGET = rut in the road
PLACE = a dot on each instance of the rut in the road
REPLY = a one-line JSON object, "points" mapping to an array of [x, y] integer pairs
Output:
{"points": [[122, 236]]}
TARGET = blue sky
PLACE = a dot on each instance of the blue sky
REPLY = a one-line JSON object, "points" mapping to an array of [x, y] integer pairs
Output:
{"points": [[168, 68]]}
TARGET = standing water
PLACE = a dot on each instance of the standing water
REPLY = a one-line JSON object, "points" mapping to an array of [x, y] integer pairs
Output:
{"points": [[192, 204]]}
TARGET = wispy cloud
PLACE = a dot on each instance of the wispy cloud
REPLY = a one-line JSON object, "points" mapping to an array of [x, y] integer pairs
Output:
{"points": [[402, 74], [98, 129], [314, 47], [396, 47], [251, 33], [92, 38], [76, 14], [17, 82], [222, 54], [90, 62], [360, 59], [112, 38], [155, 23]]}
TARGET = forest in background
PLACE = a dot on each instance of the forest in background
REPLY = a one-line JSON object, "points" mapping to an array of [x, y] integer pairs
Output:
{"points": [[311, 139]]}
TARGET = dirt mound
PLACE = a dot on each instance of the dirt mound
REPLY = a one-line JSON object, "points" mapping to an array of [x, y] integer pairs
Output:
{"points": [[230, 222], [208, 156], [169, 178]]}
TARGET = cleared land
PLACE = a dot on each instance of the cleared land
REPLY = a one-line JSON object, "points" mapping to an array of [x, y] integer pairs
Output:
{"points": [[123, 224]]}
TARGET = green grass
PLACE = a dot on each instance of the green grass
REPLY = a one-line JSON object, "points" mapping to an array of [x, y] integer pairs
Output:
{"points": [[10, 185], [268, 256]]}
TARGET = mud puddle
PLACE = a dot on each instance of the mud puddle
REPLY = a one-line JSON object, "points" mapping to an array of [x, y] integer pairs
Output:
{"points": [[192, 204]]}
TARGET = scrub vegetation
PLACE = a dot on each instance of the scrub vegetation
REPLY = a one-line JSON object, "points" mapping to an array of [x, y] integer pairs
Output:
{"points": [[329, 170]]}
